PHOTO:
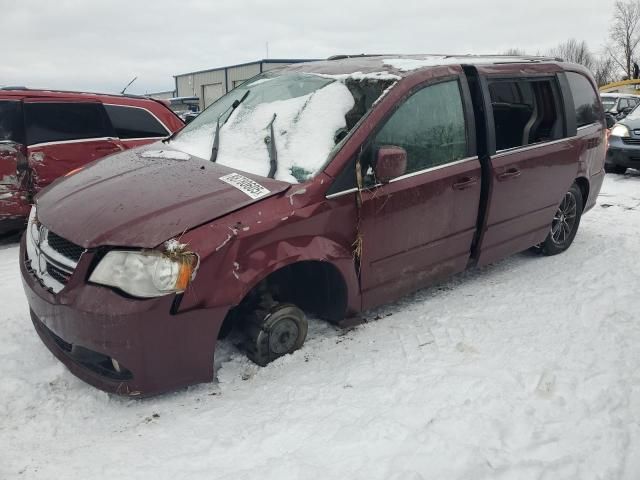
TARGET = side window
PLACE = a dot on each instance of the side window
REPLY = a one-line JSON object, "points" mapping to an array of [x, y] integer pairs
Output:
{"points": [[430, 126], [624, 103], [56, 122], [132, 122], [585, 99], [525, 111]]}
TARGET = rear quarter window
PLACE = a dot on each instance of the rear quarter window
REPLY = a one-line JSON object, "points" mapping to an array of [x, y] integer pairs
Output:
{"points": [[134, 122], [57, 122], [11, 123], [585, 99]]}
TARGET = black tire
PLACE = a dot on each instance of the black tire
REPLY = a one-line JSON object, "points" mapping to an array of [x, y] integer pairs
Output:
{"points": [[619, 169], [565, 224], [269, 335]]}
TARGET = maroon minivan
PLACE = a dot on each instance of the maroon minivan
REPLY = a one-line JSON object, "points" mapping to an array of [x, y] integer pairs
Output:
{"points": [[320, 189], [45, 134]]}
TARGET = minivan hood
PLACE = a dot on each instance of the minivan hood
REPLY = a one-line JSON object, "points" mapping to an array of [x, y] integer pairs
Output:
{"points": [[142, 197]]}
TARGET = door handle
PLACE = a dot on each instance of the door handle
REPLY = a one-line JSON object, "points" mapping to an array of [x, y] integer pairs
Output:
{"points": [[511, 173], [464, 183]]}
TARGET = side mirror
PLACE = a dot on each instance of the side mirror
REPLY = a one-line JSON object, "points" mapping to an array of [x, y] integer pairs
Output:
{"points": [[391, 163], [610, 120]]}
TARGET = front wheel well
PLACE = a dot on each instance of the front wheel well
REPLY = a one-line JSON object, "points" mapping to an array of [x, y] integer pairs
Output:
{"points": [[316, 287], [583, 184]]}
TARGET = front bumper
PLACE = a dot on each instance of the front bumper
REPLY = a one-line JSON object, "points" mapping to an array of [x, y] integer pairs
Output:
{"points": [[623, 154], [85, 326]]}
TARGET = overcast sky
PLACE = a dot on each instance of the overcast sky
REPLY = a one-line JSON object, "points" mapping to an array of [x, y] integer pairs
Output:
{"points": [[100, 46]]}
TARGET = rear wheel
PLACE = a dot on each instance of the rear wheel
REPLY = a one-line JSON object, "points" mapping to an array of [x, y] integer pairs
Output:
{"points": [[272, 334], [619, 169], [565, 223]]}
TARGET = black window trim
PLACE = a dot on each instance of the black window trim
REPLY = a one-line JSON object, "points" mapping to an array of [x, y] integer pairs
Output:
{"points": [[470, 130], [38, 101], [559, 102], [146, 110]]}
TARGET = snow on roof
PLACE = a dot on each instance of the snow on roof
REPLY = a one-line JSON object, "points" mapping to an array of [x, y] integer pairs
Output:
{"points": [[383, 75], [406, 64], [374, 66]]}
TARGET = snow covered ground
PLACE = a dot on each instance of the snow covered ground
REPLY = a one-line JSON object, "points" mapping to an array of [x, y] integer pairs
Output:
{"points": [[527, 369]]}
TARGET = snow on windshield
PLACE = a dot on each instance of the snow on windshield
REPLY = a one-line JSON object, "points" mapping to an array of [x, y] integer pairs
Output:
{"points": [[304, 130]]}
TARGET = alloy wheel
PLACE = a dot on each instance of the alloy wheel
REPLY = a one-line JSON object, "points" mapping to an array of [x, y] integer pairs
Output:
{"points": [[564, 220]]}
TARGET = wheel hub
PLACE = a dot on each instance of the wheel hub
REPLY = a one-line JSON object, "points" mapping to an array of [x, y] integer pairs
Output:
{"points": [[283, 336]]}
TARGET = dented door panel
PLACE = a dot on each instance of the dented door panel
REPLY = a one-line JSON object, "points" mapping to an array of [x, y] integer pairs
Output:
{"points": [[15, 177]]}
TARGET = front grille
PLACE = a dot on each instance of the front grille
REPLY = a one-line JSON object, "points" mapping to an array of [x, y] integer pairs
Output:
{"points": [[65, 247], [58, 274], [51, 258]]}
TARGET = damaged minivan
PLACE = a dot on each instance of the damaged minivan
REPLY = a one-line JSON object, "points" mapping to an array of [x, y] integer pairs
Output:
{"points": [[315, 190]]}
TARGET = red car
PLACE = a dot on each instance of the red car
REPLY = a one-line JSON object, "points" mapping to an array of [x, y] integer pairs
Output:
{"points": [[46, 134], [321, 189]]}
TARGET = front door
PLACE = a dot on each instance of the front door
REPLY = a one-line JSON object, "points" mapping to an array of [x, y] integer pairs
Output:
{"points": [[420, 227], [65, 135]]}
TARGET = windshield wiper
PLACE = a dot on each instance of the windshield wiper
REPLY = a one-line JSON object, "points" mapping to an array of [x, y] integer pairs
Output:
{"points": [[216, 136], [270, 141]]}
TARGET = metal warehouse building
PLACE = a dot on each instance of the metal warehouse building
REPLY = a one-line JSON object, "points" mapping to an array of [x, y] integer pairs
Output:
{"points": [[209, 85]]}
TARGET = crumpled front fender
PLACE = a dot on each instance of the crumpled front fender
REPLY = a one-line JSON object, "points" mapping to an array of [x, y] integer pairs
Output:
{"points": [[228, 280]]}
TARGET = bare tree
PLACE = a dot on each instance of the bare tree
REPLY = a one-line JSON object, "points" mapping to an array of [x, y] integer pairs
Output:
{"points": [[516, 52], [624, 34], [604, 70], [574, 51]]}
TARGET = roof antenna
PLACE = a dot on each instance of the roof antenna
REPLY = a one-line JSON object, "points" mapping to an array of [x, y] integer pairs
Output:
{"points": [[128, 85]]}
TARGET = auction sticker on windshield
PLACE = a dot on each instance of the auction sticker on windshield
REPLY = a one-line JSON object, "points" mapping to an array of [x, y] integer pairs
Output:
{"points": [[248, 186]]}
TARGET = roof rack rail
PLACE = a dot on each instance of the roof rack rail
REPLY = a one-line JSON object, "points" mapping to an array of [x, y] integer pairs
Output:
{"points": [[342, 57], [58, 90]]}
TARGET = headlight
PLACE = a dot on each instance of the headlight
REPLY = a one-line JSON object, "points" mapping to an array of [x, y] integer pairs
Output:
{"points": [[619, 130], [146, 273], [33, 235]]}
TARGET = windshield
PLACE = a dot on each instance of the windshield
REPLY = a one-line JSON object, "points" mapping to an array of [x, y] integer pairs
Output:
{"points": [[312, 114], [634, 114]]}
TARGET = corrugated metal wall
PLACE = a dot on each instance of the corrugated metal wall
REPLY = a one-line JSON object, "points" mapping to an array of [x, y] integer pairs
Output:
{"points": [[193, 84], [237, 75]]}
